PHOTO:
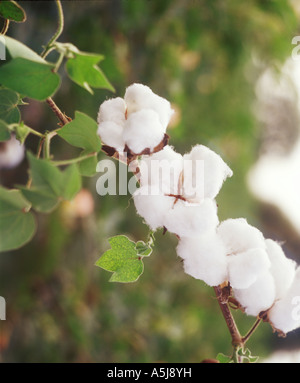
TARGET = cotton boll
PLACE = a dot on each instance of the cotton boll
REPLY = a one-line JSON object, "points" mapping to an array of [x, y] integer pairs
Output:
{"points": [[112, 110], [138, 97], [239, 236], [282, 268], [204, 258], [285, 314], [143, 130], [152, 205], [111, 134], [163, 169], [244, 268], [189, 220], [211, 172], [11, 153], [259, 296]]}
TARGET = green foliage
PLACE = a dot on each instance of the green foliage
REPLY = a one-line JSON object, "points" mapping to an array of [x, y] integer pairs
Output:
{"points": [[83, 70], [22, 131], [124, 259], [50, 185], [9, 101], [82, 133], [4, 131], [17, 225], [25, 76], [12, 11]]}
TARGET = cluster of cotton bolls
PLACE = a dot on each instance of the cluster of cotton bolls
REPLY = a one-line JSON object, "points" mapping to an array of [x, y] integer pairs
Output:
{"points": [[177, 192]]}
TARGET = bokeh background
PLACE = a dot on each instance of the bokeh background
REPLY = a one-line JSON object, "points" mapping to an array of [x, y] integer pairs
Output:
{"points": [[207, 58]]}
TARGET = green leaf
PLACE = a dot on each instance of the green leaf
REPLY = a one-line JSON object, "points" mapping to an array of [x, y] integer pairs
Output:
{"points": [[72, 182], [45, 175], [87, 167], [224, 358], [143, 249], [9, 111], [246, 356], [82, 133], [30, 78], [12, 11], [4, 131], [17, 225], [83, 70], [21, 132], [122, 259], [15, 48], [12, 200], [42, 200]]}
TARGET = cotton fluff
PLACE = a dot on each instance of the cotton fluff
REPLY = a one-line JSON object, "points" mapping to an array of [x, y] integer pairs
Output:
{"points": [[11, 153], [162, 168], [152, 205], [114, 110], [282, 268], [189, 220], [139, 96], [244, 268], [239, 236], [285, 314], [111, 121], [112, 135], [142, 130], [213, 172], [259, 296], [204, 258]]}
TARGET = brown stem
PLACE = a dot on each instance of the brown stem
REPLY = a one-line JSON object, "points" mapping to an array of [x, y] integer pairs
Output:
{"points": [[59, 114], [237, 340], [251, 331]]}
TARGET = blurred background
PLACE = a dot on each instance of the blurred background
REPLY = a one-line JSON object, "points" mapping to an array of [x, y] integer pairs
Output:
{"points": [[226, 67]]}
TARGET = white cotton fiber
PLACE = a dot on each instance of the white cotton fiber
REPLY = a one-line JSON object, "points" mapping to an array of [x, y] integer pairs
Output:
{"points": [[244, 268], [138, 97], [282, 268], [239, 236], [112, 110], [213, 172], [143, 130], [111, 134], [259, 296], [285, 314], [11, 153], [190, 220], [163, 169], [152, 205], [204, 258]]}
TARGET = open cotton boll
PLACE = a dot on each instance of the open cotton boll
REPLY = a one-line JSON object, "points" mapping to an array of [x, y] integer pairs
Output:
{"points": [[152, 205], [204, 258], [139, 96], [282, 268], [111, 134], [239, 236], [143, 130], [189, 220], [163, 169], [211, 171], [11, 153], [112, 110], [244, 268], [257, 297], [285, 314]]}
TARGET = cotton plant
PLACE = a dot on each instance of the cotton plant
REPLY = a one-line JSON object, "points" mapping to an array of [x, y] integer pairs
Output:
{"points": [[177, 194]]}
